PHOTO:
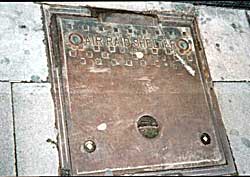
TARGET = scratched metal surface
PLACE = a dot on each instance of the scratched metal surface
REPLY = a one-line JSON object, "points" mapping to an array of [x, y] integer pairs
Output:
{"points": [[116, 72]]}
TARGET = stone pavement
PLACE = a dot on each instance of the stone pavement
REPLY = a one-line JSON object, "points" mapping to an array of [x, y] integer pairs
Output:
{"points": [[28, 135], [7, 147]]}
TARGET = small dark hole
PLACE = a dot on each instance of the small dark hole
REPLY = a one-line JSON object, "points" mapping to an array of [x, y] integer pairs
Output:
{"points": [[184, 33], [89, 54], [148, 126], [130, 30], [234, 25], [115, 30], [157, 32], [112, 48], [100, 28], [144, 31], [205, 139], [217, 45], [23, 26]]}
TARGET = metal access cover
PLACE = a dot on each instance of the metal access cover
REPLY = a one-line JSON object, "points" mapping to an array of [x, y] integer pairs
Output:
{"points": [[132, 95]]}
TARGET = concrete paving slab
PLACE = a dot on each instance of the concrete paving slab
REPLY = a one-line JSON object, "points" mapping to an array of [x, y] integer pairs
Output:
{"points": [[36, 135], [22, 51], [7, 150], [234, 102], [225, 34]]}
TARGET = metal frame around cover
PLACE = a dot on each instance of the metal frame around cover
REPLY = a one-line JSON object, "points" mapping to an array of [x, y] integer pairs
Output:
{"points": [[59, 91]]}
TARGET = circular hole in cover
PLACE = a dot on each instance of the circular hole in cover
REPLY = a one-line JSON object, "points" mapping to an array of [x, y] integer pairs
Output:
{"points": [[205, 138], [148, 126], [75, 39]]}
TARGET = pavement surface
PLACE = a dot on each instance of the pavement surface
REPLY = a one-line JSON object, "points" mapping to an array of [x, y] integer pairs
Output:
{"points": [[28, 135]]}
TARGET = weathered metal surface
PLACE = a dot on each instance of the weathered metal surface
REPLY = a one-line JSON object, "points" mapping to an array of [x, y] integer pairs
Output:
{"points": [[112, 69]]}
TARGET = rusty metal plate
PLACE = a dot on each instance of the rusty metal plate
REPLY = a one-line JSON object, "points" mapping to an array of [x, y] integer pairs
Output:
{"points": [[132, 96]]}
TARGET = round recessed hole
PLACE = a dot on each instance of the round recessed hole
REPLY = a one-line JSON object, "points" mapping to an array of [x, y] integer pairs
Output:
{"points": [[101, 28], [89, 146], [205, 138], [75, 39], [148, 126], [182, 44]]}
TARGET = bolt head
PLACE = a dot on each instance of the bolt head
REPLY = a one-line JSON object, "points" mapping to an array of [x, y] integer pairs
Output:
{"points": [[89, 146]]}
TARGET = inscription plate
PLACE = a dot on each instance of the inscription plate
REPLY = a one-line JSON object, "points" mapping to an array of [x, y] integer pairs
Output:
{"points": [[133, 97], [112, 45]]}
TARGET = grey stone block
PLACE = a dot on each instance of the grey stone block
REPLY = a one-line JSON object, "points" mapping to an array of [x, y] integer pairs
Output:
{"points": [[234, 102], [225, 35], [22, 51], [7, 150], [36, 135]]}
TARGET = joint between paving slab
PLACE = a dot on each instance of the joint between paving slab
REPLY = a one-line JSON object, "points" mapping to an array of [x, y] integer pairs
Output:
{"points": [[239, 81], [16, 82], [14, 127], [223, 5], [248, 18], [233, 156]]}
